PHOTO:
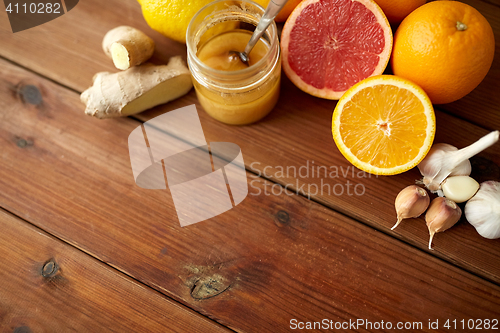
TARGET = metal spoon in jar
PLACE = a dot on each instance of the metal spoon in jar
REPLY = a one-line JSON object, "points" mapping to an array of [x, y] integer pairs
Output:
{"points": [[273, 8]]}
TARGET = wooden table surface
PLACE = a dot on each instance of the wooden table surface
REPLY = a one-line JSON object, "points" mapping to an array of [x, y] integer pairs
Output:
{"points": [[83, 248]]}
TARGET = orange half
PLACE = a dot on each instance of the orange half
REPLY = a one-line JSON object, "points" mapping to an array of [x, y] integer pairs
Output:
{"points": [[384, 125]]}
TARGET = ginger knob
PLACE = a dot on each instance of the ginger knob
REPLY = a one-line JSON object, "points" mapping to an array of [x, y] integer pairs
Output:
{"points": [[127, 47]]}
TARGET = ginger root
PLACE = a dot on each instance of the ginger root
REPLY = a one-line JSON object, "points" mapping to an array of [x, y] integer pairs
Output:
{"points": [[127, 47], [137, 89]]}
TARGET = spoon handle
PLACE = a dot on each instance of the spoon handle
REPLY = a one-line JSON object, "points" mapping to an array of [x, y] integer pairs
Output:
{"points": [[273, 8]]}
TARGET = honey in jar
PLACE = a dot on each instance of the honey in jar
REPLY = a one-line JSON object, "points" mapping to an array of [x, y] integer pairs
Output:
{"points": [[228, 89]]}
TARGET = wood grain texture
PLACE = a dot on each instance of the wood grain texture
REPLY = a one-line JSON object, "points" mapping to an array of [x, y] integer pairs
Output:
{"points": [[75, 38], [295, 135], [49, 286], [68, 50], [271, 259], [293, 147]]}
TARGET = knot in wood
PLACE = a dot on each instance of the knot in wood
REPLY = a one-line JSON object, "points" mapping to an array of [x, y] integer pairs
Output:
{"points": [[31, 94], [22, 329], [209, 286], [50, 269], [23, 143], [283, 217]]}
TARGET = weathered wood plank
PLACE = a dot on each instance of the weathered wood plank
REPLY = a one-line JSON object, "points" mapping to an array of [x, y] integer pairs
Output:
{"points": [[294, 148], [49, 286], [271, 259], [296, 133], [68, 50]]}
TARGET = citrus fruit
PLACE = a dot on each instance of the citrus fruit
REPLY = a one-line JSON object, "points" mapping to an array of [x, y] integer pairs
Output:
{"points": [[284, 12], [171, 17], [384, 125], [396, 11], [330, 45], [445, 47]]}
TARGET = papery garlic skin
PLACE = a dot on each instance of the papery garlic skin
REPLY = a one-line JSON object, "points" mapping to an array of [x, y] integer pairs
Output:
{"points": [[441, 215], [412, 201], [483, 210], [459, 188], [431, 165], [444, 160]]}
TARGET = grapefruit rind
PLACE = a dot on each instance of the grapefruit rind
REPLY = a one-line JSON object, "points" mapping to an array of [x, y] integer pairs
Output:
{"points": [[325, 92], [400, 83]]}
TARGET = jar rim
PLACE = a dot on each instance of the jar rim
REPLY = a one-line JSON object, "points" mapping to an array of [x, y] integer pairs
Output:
{"points": [[271, 30]]}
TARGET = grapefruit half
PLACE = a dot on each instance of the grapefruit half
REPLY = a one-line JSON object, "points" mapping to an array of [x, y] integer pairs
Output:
{"points": [[330, 45]]}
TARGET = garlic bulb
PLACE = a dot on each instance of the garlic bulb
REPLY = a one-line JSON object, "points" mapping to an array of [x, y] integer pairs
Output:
{"points": [[441, 215], [459, 188], [430, 166], [444, 160], [412, 201], [483, 210]]}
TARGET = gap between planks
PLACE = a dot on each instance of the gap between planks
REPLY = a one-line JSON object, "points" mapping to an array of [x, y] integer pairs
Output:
{"points": [[300, 200], [115, 270], [376, 227], [318, 200], [94, 61]]}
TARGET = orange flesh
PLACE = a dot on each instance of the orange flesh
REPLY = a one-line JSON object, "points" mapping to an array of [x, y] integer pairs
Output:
{"points": [[392, 119], [335, 44]]}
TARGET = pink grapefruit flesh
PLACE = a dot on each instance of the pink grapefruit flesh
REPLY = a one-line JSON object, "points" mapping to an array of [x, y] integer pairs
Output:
{"points": [[330, 45]]}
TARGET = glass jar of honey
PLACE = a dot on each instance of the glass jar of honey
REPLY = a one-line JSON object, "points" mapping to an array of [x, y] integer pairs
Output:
{"points": [[228, 89]]}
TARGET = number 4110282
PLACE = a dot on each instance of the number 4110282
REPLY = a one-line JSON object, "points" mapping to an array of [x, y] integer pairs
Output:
{"points": [[473, 324], [34, 8]]}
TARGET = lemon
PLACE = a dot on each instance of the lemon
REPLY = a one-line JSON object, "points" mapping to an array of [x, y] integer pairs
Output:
{"points": [[171, 17]]}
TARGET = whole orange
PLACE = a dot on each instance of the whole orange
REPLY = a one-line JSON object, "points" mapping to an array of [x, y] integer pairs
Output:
{"points": [[284, 12], [397, 10], [445, 47]]}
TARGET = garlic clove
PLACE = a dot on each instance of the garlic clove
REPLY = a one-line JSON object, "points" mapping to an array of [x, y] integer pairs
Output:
{"points": [[441, 215], [444, 160], [412, 201], [459, 188], [483, 210]]}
